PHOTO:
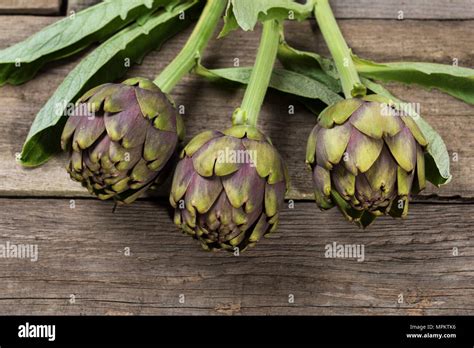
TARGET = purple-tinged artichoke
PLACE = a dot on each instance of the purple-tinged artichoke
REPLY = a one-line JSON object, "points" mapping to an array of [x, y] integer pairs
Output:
{"points": [[366, 158], [121, 138], [228, 188]]}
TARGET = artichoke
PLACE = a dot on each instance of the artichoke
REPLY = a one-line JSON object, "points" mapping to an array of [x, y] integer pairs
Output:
{"points": [[121, 138], [366, 158], [228, 188]]}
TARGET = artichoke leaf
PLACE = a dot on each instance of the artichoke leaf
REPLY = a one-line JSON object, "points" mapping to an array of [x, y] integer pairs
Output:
{"points": [[20, 62], [104, 64]]}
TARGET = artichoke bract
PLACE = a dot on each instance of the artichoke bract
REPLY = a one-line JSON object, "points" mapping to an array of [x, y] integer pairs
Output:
{"points": [[121, 138], [228, 188], [366, 158]]}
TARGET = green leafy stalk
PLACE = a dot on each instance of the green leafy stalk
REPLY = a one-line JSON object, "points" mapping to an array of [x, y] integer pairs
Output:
{"points": [[260, 78], [301, 62], [283, 80], [351, 84], [102, 65], [20, 62], [246, 13], [454, 80], [191, 52]]}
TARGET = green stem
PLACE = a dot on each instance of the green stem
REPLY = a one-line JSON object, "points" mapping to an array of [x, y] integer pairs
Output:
{"points": [[260, 77], [351, 84], [192, 50]]}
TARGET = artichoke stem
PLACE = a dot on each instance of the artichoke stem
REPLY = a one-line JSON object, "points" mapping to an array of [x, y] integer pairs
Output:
{"points": [[351, 84], [187, 58], [260, 77]]}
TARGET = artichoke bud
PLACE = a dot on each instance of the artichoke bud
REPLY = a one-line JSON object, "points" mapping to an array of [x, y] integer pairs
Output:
{"points": [[228, 188], [121, 138], [366, 158]]}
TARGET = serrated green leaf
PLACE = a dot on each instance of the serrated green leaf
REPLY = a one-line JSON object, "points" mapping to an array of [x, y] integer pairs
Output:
{"points": [[437, 157], [230, 23], [309, 64], [246, 13], [283, 80], [20, 62], [104, 64], [456, 81]]}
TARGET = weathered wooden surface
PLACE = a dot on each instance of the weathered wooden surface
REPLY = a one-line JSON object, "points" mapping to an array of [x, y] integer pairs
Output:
{"points": [[36, 7], [82, 249], [411, 9], [381, 9], [85, 257], [77, 5], [207, 106]]}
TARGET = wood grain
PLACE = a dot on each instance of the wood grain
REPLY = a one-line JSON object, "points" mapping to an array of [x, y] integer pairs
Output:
{"points": [[82, 243], [208, 106], [77, 5], [413, 9], [380, 9], [36, 7], [81, 252]]}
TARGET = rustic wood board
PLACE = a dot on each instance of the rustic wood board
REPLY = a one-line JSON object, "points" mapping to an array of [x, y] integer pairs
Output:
{"points": [[381, 9], [36, 7], [207, 106], [81, 249], [81, 253], [411, 9], [77, 5]]}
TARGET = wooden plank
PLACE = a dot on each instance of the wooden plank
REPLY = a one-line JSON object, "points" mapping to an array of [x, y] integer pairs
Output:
{"points": [[36, 7], [208, 106], [77, 5], [386, 9], [414, 9], [81, 253], [14, 29]]}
